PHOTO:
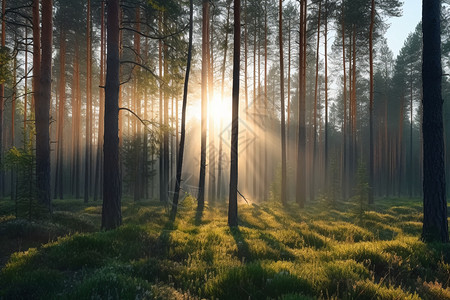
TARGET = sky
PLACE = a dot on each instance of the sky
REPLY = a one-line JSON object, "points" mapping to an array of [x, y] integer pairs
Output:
{"points": [[402, 26]]}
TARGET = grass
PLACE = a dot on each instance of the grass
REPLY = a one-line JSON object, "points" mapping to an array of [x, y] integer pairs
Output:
{"points": [[276, 253]]}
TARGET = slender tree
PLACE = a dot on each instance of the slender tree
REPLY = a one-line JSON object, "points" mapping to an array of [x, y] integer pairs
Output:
{"points": [[87, 159], [283, 125], [183, 116]]}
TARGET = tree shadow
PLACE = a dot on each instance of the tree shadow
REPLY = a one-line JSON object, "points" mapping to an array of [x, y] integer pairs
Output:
{"points": [[199, 216], [164, 237], [242, 245]]}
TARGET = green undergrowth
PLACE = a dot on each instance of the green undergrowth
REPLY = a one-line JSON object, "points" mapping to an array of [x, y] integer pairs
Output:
{"points": [[276, 253]]}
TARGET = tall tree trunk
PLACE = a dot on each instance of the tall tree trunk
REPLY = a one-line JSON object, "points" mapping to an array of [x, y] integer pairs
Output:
{"points": [[183, 117], [435, 224], [301, 157], [225, 51], [371, 157], [77, 116], [36, 69], [411, 180], [87, 162], [42, 109], [344, 129], [25, 104], [99, 160], [204, 102], [283, 125], [137, 109], [325, 37], [255, 101], [2, 95], [162, 188], [211, 146], [265, 162], [247, 156], [59, 177], [316, 89], [233, 207], [111, 213], [166, 121]]}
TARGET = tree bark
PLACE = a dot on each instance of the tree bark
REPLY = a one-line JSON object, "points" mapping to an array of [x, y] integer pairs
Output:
{"points": [[99, 160], [233, 206], [301, 173], [42, 109], [316, 89], [87, 161], [59, 184], [283, 125], [111, 213], [435, 225], [219, 169], [183, 117], [204, 103], [371, 155]]}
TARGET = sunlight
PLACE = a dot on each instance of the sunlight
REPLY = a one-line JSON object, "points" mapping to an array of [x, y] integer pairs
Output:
{"points": [[219, 109]]}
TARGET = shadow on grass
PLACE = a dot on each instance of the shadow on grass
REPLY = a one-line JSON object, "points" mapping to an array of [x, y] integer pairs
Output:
{"points": [[164, 237], [199, 216], [242, 245]]}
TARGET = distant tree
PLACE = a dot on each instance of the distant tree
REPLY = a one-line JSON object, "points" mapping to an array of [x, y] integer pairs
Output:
{"points": [[111, 210], [435, 224], [232, 205]]}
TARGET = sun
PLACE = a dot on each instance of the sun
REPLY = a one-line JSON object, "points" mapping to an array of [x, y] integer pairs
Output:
{"points": [[219, 110]]}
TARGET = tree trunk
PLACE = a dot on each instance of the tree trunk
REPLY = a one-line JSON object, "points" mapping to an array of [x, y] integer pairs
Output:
{"points": [[301, 157], [42, 109], [219, 170], [211, 146], [233, 207], [283, 125], [87, 162], [344, 127], [371, 157], [326, 96], [162, 187], [59, 184], [435, 225], [99, 160], [204, 103], [111, 213], [183, 117], [316, 89], [2, 94]]}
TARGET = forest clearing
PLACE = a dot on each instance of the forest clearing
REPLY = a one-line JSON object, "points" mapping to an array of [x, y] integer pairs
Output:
{"points": [[224, 149], [323, 251]]}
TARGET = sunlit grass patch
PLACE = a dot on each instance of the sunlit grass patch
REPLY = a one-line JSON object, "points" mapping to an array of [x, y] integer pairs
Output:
{"points": [[366, 289], [276, 253], [342, 231]]}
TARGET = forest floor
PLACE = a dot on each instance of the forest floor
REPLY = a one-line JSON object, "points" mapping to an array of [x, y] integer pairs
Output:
{"points": [[323, 251]]}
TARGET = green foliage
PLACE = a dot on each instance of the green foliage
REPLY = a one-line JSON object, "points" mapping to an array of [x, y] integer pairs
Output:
{"points": [[277, 252], [21, 162], [5, 65]]}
